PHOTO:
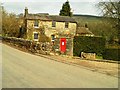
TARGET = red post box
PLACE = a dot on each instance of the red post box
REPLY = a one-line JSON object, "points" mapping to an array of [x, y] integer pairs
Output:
{"points": [[63, 44]]}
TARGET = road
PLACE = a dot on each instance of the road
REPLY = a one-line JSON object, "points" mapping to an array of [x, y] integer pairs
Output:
{"points": [[0, 64], [24, 70]]}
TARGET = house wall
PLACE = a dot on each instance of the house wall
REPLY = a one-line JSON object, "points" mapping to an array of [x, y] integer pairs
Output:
{"points": [[49, 30], [31, 29], [69, 46], [60, 29]]}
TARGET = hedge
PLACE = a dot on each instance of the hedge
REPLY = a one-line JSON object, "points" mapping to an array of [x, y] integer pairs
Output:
{"points": [[88, 44], [112, 54]]}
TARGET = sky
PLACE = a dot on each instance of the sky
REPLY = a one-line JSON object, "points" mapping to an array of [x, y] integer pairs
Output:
{"points": [[83, 7]]}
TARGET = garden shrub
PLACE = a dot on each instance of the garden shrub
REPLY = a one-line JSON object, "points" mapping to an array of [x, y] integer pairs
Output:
{"points": [[112, 54], [88, 44]]}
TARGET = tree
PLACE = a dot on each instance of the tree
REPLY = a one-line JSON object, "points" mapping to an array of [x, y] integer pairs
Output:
{"points": [[10, 24], [112, 9], [0, 19], [66, 10]]}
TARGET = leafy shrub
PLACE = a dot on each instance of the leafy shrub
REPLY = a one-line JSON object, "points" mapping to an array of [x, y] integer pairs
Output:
{"points": [[88, 45], [112, 54]]}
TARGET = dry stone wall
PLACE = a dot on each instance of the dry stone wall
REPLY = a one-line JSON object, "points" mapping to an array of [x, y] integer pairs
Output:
{"points": [[34, 47]]}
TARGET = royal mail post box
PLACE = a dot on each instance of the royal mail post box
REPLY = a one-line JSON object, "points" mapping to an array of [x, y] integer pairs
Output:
{"points": [[63, 44]]}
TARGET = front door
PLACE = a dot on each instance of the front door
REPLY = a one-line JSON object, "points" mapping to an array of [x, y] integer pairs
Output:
{"points": [[63, 44]]}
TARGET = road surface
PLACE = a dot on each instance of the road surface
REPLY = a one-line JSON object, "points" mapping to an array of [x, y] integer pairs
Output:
{"points": [[24, 70], [0, 64]]}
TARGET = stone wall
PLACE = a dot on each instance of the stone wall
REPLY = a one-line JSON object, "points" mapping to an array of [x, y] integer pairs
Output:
{"points": [[49, 30], [69, 46], [28, 45], [88, 55], [60, 29]]}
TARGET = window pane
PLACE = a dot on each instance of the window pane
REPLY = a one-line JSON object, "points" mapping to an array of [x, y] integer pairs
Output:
{"points": [[36, 23], [66, 24], [35, 35], [53, 37], [53, 23]]}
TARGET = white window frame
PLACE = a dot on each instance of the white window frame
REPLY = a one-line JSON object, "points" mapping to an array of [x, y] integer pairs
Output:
{"points": [[33, 36], [38, 24]]}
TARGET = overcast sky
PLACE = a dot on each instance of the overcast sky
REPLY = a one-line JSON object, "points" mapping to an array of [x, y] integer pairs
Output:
{"points": [[85, 7]]}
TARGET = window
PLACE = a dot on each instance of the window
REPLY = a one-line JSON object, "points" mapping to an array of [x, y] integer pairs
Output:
{"points": [[35, 36], [53, 37], [53, 23], [66, 24], [36, 23]]}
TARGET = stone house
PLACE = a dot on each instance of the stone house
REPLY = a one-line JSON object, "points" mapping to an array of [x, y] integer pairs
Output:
{"points": [[59, 30], [41, 26]]}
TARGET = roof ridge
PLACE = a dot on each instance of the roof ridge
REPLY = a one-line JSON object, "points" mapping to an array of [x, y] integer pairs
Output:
{"points": [[51, 17]]}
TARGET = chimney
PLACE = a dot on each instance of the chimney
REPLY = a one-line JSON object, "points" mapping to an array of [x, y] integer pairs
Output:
{"points": [[26, 11]]}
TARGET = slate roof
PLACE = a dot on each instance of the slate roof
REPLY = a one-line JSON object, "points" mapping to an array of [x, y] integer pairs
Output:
{"points": [[83, 31], [51, 18], [62, 18], [38, 16]]}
